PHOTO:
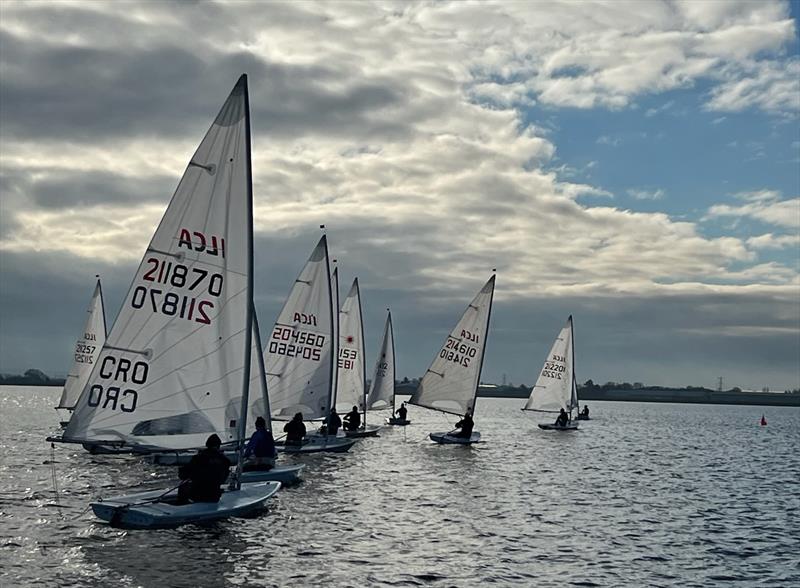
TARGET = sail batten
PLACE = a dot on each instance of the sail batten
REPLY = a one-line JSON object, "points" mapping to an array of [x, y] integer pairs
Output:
{"points": [[451, 382], [174, 368]]}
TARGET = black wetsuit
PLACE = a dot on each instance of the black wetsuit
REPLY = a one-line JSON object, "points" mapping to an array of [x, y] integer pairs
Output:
{"points": [[295, 431], [466, 425], [334, 422], [205, 473], [352, 420], [402, 412]]}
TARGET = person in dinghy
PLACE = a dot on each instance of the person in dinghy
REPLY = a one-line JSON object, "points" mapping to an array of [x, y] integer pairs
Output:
{"points": [[262, 447], [295, 430], [562, 419], [352, 420], [466, 425], [332, 424], [204, 475], [402, 412]]}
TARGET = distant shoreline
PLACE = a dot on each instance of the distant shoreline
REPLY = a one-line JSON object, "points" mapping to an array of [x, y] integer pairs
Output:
{"points": [[674, 395]]}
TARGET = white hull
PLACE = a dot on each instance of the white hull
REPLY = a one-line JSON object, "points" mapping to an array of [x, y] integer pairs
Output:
{"points": [[370, 431], [554, 427], [319, 444], [286, 475], [447, 439], [397, 421], [135, 512]]}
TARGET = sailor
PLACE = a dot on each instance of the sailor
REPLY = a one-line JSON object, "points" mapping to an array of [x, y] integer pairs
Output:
{"points": [[562, 419], [585, 412], [204, 474], [352, 420], [295, 430], [466, 425], [332, 423], [262, 447], [402, 412]]}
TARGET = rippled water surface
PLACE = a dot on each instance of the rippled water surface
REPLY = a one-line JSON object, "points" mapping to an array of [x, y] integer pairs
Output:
{"points": [[642, 495]]}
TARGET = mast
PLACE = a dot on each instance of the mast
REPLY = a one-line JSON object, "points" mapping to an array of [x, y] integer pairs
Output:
{"points": [[363, 357], [263, 371], [574, 379], [483, 351], [248, 334], [391, 334], [102, 306], [334, 284]]}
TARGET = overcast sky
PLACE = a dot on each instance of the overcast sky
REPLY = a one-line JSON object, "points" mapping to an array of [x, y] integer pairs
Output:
{"points": [[635, 164]]}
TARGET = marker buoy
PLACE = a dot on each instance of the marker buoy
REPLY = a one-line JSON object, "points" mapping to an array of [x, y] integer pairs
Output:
{"points": [[763, 421]]}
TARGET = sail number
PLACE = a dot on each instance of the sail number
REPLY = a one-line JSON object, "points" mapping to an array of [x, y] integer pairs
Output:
{"points": [[84, 352], [118, 370], [178, 275], [457, 352], [295, 343], [383, 368], [554, 370], [347, 358]]}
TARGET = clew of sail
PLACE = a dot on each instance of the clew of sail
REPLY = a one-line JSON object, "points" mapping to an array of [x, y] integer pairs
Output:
{"points": [[173, 368], [298, 356], [87, 350], [381, 391], [555, 388], [451, 382], [350, 385]]}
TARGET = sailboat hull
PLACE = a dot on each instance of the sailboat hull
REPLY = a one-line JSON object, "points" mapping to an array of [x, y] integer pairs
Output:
{"points": [[286, 475], [397, 421], [143, 511], [319, 444], [370, 431], [447, 439], [554, 427]]}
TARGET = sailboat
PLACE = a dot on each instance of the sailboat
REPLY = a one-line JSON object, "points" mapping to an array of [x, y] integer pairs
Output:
{"points": [[175, 367], [299, 357], [351, 387], [556, 388], [381, 390], [87, 350], [451, 383]]}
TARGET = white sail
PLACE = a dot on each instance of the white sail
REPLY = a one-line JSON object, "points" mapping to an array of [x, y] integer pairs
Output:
{"points": [[350, 386], [555, 389], [87, 350], [298, 355], [174, 367], [381, 391], [451, 383]]}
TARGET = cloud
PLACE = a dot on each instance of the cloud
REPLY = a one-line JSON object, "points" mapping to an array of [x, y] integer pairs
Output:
{"points": [[639, 194], [766, 85], [765, 206], [401, 127], [770, 241]]}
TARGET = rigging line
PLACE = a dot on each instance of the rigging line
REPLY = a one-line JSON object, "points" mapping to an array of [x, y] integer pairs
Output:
{"points": [[55, 478]]}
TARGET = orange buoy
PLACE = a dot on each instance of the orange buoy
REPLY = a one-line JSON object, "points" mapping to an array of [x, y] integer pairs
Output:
{"points": [[763, 421]]}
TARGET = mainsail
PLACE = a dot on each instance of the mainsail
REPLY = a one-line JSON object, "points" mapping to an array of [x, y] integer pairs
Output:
{"points": [[555, 389], [451, 382], [176, 364], [87, 350], [298, 357], [351, 387], [381, 391]]}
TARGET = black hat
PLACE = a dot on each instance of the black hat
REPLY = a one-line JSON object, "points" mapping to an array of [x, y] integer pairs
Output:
{"points": [[260, 422], [213, 441]]}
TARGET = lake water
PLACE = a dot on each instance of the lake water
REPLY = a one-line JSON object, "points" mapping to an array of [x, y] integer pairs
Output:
{"points": [[642, 495]]}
